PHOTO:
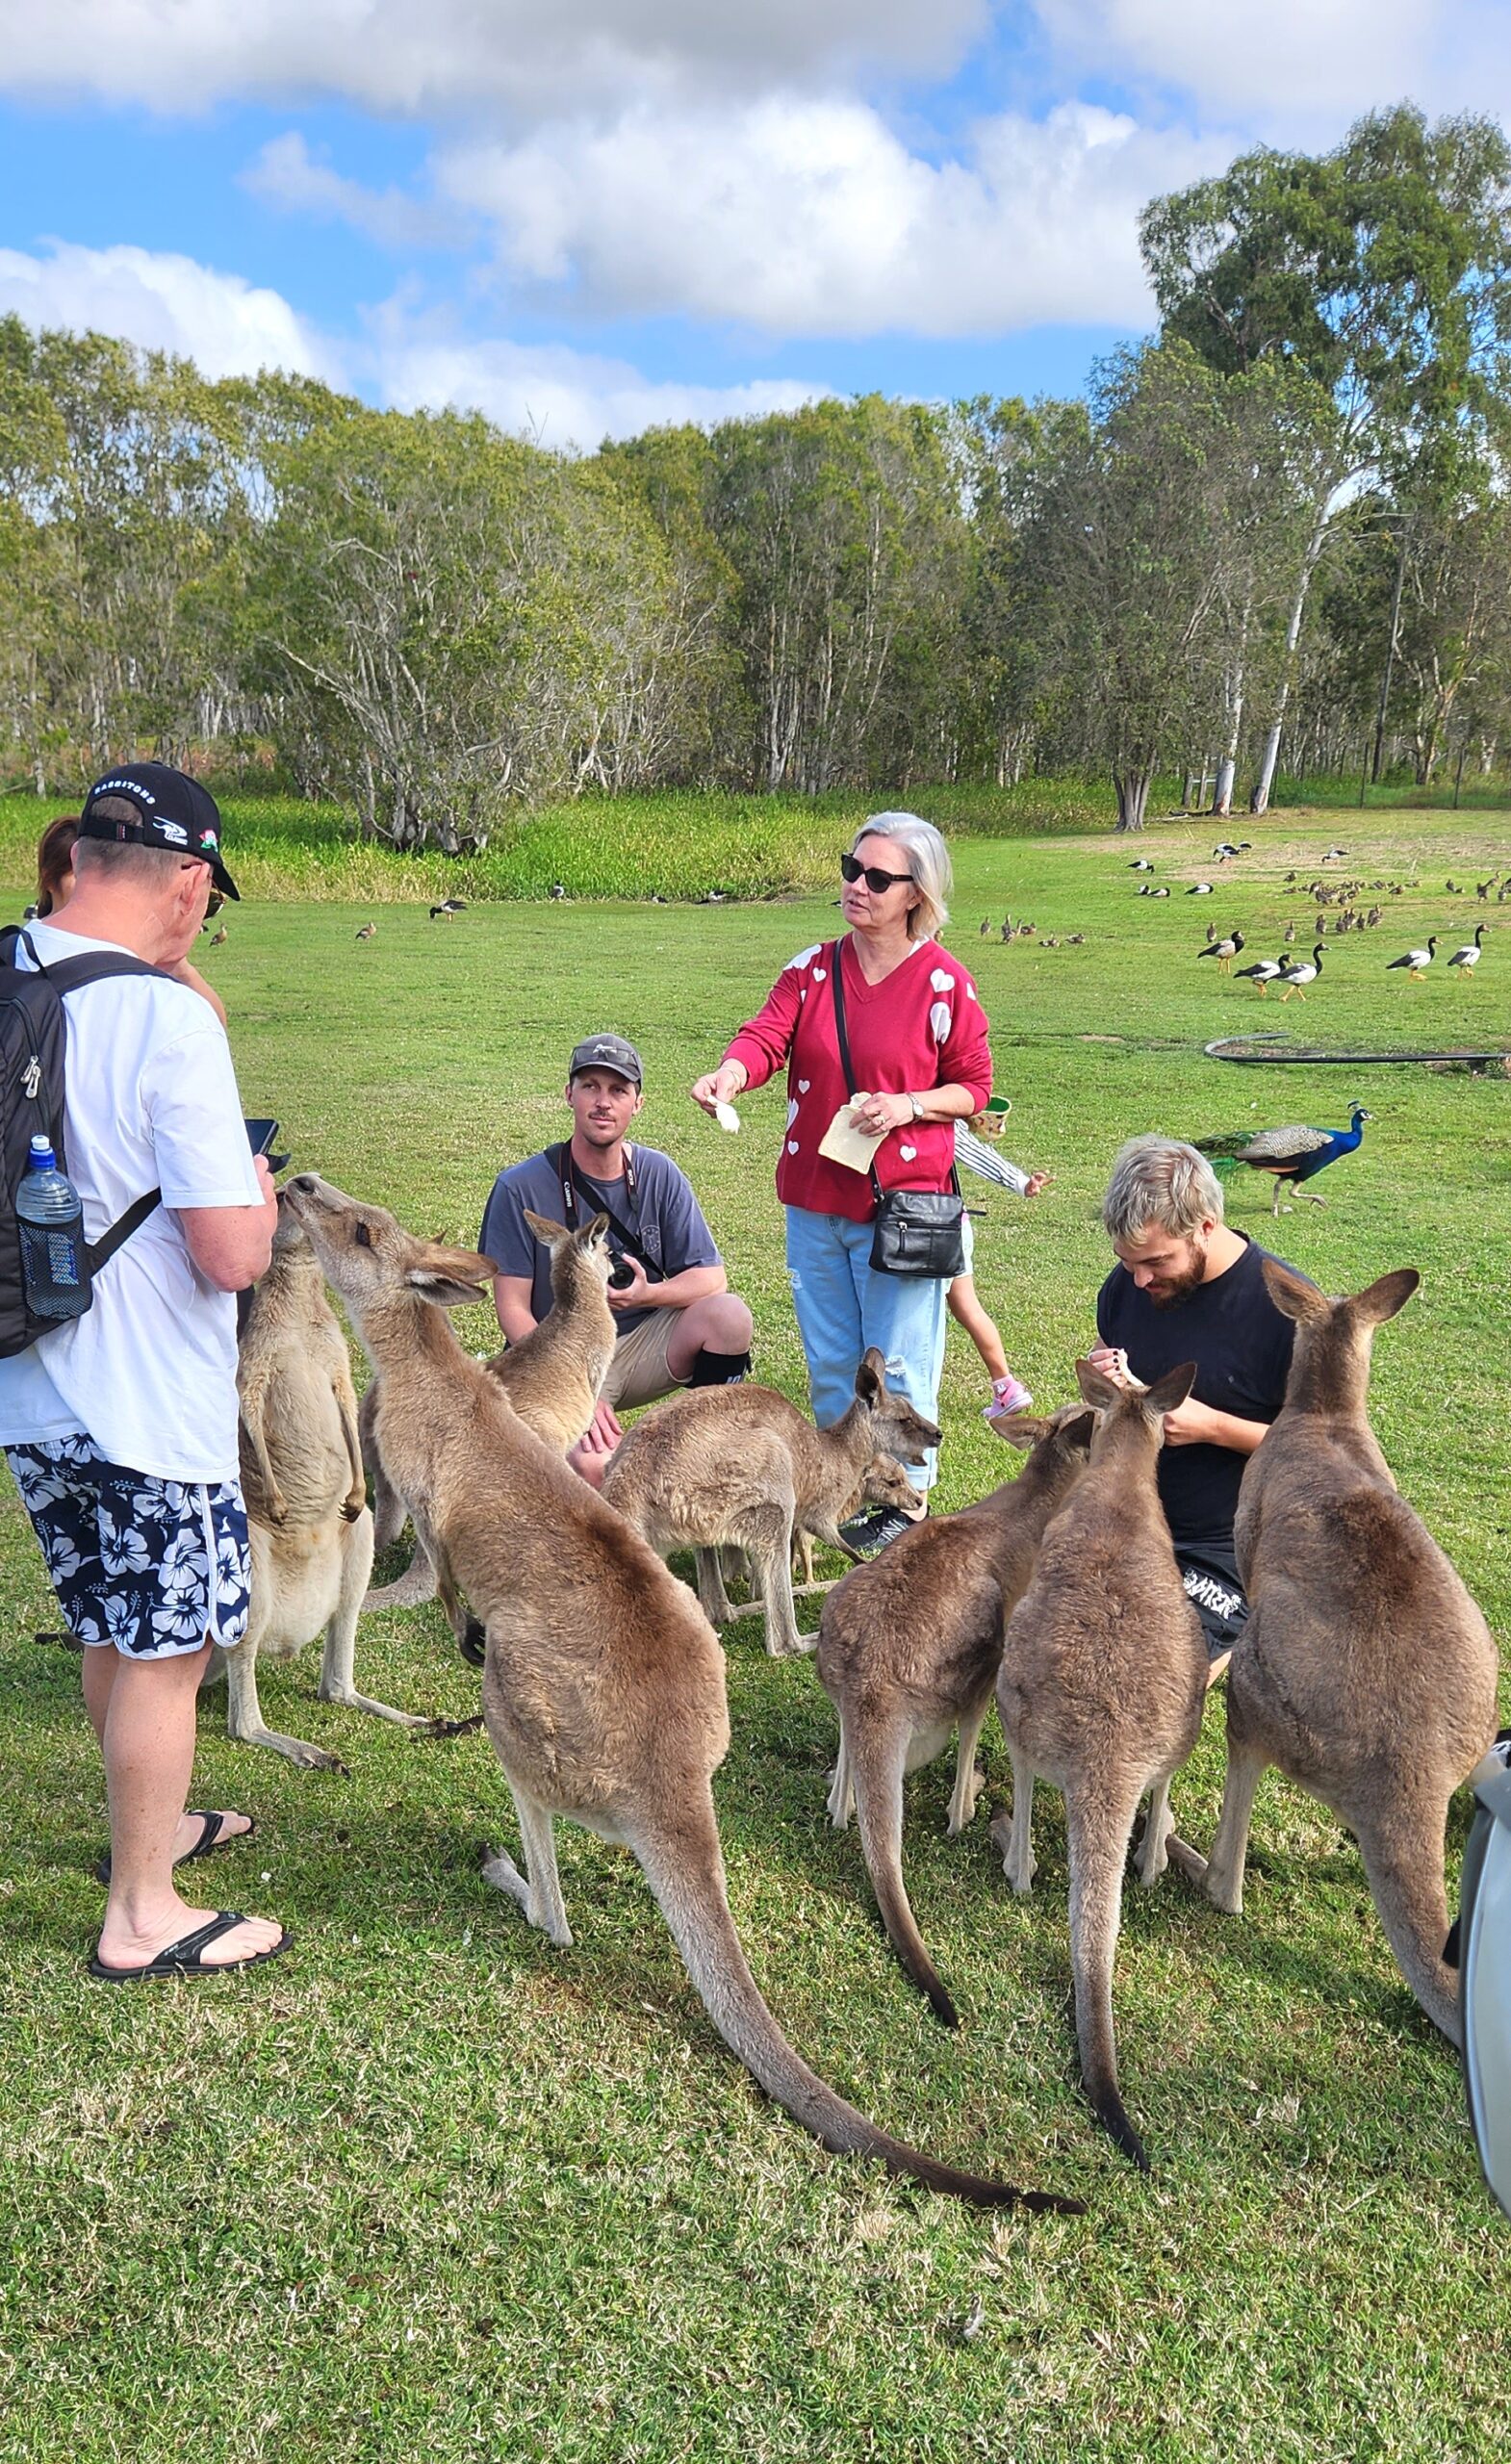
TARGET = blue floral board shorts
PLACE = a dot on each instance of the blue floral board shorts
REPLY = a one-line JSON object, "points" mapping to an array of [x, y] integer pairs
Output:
{"points": [[151, 1566]]}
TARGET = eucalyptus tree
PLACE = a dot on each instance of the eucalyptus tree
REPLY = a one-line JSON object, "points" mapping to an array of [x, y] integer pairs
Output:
{"points": [[1382, 269]]}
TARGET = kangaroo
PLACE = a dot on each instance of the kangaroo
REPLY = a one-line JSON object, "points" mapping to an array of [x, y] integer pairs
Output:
{"points": [[741, 1464], [603, 1684], [306, 1502], [908, 1650], [1366, 1671], [1104, 1675], [553, 1377]]}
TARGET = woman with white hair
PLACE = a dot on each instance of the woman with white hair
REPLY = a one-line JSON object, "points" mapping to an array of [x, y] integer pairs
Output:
{"points": [[918, 1062]]}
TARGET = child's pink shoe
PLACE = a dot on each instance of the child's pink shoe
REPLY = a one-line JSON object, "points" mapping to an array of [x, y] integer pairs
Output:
{"points": [[1008, 1395]]}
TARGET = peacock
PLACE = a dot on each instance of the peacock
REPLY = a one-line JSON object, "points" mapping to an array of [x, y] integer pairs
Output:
{"points": [[1295, 1155]]}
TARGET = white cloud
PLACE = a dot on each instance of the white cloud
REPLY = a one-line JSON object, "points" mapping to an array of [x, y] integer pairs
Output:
{"points": [[393, 56], [1291, 63], [804, 217], [226, 325], [286, 174], [566, 400]]}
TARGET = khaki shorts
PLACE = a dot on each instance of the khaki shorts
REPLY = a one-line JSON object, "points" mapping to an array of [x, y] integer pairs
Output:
{"points": [[638, 1373]]}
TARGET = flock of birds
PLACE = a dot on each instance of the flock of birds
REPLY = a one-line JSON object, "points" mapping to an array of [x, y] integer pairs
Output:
{"points": [[1296, 973]]}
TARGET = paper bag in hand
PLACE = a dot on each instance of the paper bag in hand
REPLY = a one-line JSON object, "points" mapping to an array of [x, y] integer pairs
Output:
{"points": [[844, 1143]]}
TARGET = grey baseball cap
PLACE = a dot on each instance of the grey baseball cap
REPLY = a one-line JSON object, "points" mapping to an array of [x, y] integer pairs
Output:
{"points": [[606, 1052]]}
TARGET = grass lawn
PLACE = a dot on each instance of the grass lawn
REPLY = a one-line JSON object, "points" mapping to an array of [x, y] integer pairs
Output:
{"points": [[430, 2189]]}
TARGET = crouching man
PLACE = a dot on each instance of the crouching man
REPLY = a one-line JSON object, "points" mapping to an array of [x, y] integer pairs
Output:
{"points": [[120, 1426], [678, 1323], [1186, 1287]]}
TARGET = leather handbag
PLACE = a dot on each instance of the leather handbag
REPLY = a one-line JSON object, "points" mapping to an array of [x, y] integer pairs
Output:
{"points": [[914, 1232]]}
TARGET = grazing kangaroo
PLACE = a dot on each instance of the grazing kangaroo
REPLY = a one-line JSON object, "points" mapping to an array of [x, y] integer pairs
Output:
{"points": [[741, 1465], [306, 1503], [1104, 1675], [1366, 1671], [604, 1686], [553, 1377], [908, 1650]]}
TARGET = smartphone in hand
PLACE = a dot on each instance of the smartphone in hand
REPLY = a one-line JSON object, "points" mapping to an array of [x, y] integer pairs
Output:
{"points": [[260, 1135]]}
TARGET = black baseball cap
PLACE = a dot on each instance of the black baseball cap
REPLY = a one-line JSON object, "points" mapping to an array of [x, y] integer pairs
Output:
{"points": [[606, 1052], [175, 812]]}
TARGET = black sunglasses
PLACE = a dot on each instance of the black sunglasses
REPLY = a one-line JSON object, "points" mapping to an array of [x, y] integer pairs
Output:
{"points": [[213, 904], [875, 881]]}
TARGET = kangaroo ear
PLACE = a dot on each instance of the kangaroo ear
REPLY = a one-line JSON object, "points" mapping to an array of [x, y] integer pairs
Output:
{"points": [[1095, 1388], [1076, 1428], [587, 1233], [1386, 1298], [1019, 1428], [1170, 1391], [545, 1232], [871, 1376], [1291, 1293], [450, 1278]]}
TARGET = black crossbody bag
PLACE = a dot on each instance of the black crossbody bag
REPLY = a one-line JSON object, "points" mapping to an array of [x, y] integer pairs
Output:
{"points": [[915, 1232]]}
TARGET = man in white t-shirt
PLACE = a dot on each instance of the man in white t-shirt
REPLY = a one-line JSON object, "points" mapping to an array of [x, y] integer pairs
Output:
{"points": [[120, 1426]]}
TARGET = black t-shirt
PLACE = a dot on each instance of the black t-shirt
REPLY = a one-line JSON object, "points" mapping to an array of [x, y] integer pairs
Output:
{"points": [[1242, 1346]]}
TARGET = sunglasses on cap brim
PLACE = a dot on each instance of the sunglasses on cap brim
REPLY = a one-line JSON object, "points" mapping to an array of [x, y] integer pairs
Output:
{"points": [[875, 881]]}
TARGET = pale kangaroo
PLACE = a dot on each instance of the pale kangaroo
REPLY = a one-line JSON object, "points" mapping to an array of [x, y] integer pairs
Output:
{"points": [[553, 1377], [741, 1465], [908, 1650], [603, 1684], [1104, 1675], [306, 1503], [1366, 1671]]}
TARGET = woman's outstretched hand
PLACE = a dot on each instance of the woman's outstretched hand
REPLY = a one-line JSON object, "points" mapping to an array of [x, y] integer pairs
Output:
{"points": [[720, 1085]]}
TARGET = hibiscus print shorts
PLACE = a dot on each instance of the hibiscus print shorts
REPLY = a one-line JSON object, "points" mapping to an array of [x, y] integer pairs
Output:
{"points": [[150, 1566]]}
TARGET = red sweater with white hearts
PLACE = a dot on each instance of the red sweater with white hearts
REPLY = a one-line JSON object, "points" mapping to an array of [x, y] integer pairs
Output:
{"points": [[922, 1026]]}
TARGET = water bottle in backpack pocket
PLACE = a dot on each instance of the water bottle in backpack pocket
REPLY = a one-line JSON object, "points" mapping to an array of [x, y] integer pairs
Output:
{"points": [[55, 1258]]}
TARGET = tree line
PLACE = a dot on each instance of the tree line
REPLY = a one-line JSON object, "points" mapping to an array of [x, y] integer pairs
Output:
{"points": [[1281, 521]]}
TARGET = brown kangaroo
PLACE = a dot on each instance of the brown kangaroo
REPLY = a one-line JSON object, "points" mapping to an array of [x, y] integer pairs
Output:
{"points": [[1104, 1675], [1366, 1671], [908, 1650], [603, 1684], [553, 1377], [306, 1502], [742, 1465]]}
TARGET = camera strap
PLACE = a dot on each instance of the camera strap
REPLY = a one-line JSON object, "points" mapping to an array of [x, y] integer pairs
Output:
{"points": [[574, 1184]]}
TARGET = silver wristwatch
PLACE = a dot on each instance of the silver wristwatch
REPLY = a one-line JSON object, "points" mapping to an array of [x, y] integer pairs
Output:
{"points": [[918, 1107]]}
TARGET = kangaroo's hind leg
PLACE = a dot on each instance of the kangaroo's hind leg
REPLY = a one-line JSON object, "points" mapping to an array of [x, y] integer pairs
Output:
{"points": [[538, 1890], [1225, 1864], [968, 1779], [1013, 1834], [336, 1680]]}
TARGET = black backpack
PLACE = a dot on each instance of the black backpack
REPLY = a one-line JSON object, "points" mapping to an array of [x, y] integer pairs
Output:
{"points": [[32, 1049]]}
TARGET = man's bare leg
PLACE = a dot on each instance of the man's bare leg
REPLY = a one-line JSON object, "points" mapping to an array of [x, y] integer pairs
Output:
{"points": [[99, 1677], [146, 1725]]}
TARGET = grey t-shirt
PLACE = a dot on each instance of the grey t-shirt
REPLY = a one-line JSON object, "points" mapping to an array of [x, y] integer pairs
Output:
{"points": [[664, 1214]]}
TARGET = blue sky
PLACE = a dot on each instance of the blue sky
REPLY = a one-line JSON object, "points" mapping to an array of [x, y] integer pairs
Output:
{"points": [[587, 217]]}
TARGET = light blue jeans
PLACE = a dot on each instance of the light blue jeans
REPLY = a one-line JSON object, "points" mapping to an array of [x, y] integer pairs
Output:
{"points": [[842, 1306]]}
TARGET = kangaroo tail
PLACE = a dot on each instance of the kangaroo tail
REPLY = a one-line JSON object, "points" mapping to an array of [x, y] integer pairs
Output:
{"points": [[687, 1877], [878, 1772], [1403, 1859], [412, 1588], [1098, 1842]]}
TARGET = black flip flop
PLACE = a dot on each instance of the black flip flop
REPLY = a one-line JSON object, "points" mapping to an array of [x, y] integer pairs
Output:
{"points": [[209, 1838], [182, 1958]]}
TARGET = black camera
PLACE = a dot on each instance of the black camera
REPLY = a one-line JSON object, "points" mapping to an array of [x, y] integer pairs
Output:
{"points": [[621, 1276]]}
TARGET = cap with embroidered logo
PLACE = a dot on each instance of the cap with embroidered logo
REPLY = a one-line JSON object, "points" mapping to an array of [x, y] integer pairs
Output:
{"points": [[173, 810], [606, 1052]]}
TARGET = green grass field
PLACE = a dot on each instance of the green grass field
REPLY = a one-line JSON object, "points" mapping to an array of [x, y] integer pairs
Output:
{"points": [[429, 2187]]}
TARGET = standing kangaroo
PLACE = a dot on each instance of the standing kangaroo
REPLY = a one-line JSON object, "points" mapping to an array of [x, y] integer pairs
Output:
{"points": [[1366, 1671], [908, 1650], [1104, 1675], [553, 1377], [306, 1502], [742, 1465], [603, 1684]]}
